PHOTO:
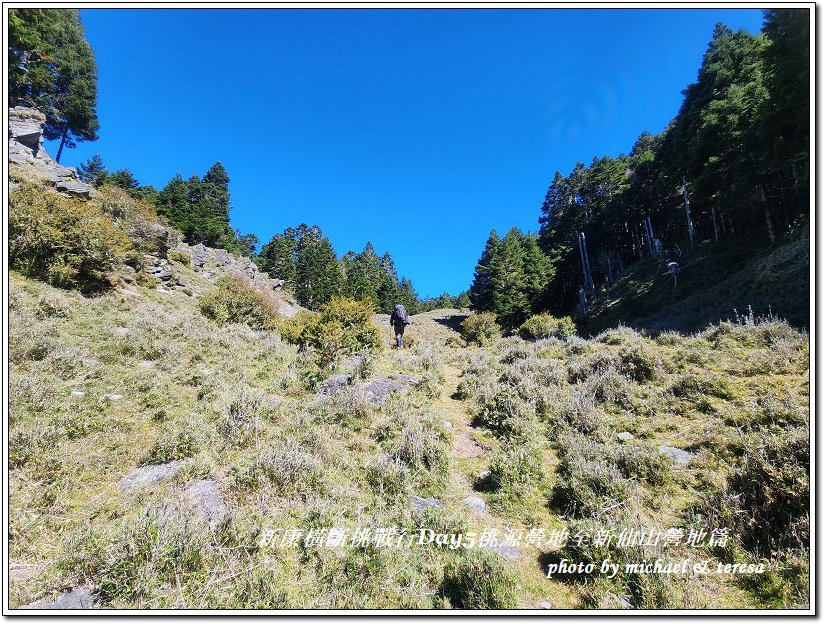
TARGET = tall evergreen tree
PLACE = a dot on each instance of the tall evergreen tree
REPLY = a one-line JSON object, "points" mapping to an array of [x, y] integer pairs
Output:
{"points": [[481, 291], [52, 68], [93, 171]]}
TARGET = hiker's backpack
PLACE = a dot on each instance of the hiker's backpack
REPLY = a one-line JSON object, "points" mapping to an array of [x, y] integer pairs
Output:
{"points": [[401, 315]]}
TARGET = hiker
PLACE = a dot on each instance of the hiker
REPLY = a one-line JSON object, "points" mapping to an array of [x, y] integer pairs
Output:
{"points": [[399, 320], [673, 270]]}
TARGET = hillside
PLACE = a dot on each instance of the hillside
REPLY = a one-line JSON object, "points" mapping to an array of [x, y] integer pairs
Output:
{"points": [[717, 282], [152, 451]]}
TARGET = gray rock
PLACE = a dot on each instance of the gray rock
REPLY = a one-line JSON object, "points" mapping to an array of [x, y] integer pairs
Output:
{"points": [[335, 384], [206, 496], [420, 503], [121, 331], [112, 397], [26, 126], [475, 503], [625, 436], [78, 393], [544, 604], [484, 474], [287, 309], [73, 187], [77, 598], [679, 456], [146, 364], [165, 273], [199, 255], [447, 424], [223, 257], [506, 551], [379, 390], [407, 379], [150, 475]]}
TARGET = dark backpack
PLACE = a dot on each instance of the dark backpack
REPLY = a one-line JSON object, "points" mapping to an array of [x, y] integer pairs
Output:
{"points": [[400, 315]]}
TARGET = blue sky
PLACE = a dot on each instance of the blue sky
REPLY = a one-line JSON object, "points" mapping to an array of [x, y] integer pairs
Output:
{"points": [[417, 130]]}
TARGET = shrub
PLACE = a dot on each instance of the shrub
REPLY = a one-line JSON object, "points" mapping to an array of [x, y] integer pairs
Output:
{"points": [[480, 328], [236, 301], [545, 325], [479, 580], [289, 469], [170, 446], [180, 257], [343, 326], [420, 447], [515, 467], [66, 242], [294, 329], [639, 362], [507, 414]]}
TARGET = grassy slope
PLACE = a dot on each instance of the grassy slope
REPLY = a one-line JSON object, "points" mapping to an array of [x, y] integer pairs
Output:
{"points": [[243, 401], [717, 280]]}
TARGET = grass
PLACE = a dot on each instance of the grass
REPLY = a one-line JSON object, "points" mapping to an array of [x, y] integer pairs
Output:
{"points": [[539, 419]]}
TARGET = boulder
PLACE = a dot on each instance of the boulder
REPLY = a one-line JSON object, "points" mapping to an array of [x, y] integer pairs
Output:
{"points": [[26, 127], [335, 384], [407, 379], [679, 456], [379, 390], [77, 598], [150, 475], [206, 496], [625, 436]]}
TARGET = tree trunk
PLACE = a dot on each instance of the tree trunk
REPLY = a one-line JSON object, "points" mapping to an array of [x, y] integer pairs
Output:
{"points": [[767, 216], [62, 143]]}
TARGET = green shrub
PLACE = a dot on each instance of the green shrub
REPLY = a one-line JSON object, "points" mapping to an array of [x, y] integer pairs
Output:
{"points": [[236, 301], [479, 580], [343, 326], [289, 469], [480, 328], [639, 362], [176, 255], [515, 467], [69, 243], [294, 329], [545, 325], [507, 414], [170, 446]]}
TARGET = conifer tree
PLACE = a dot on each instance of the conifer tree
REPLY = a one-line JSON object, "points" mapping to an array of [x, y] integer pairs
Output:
{"points": [[93, 171], [480, 293]]}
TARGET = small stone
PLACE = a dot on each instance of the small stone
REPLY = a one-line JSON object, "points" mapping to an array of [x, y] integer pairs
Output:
{"points": [[625, 436], [112, 397], [422, 503], [475, 503], [206, 372], [78, 393], [447, 424], [679, 456], [544, 604], [407, 379], [121, 331], [149, 475], [146, 364], [484, 474]]}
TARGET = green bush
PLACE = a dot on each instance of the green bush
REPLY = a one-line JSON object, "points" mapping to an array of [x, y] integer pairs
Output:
{"points": [[479, 580], [545, 325], [180, 257], [343, 326], [236, 301], [170, 446], [69, 243], [480, 328]]}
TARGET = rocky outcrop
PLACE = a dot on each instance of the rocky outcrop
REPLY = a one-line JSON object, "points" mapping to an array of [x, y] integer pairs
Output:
{"points": [[26, 150], [77, 598]]}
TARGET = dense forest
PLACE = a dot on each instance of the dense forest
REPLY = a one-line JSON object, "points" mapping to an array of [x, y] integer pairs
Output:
{"points": [[733, 164]]}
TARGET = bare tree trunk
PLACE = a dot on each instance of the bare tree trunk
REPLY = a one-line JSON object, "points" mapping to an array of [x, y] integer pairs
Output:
{"points": [[62, 143], [767, 216]]}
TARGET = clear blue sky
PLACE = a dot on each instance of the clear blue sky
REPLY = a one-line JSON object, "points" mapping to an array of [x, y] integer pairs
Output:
{"points": [[418, 130]]}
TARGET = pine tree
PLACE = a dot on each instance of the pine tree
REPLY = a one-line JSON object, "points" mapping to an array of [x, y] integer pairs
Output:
{"points": [[509, 292], [318, 277], [124, 179], [93, 171], [277, 257], [52, 68], [480, 293]]}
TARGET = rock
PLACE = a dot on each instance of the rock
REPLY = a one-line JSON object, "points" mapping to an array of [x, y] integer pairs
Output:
{"points": [[223, 257], [121, 331], [447, 424], [74, 187], [544, 604], [625, 436], [200, 256], [22, 571], [335, 384], [484, 474], [679, 456], [26, 126], [150, 475], [379, 390], [146, 364], [422, 503], [78, 393], [77, 598], [353, 363], [407, 379], [164, 274], [272, 401], [206, 495], [287, 309], [112, 397], [506, 551], [475, 503]]}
